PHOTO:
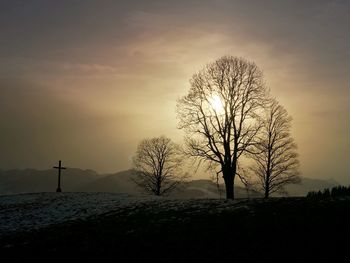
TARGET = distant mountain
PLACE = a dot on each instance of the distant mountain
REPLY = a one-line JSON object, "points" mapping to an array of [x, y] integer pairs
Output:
{"points": [[122, 183], [77, 180], [114, 183], [30, 180]]}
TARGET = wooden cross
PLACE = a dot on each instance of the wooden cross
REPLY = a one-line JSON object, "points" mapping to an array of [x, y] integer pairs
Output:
{"points": [[59, 167]]}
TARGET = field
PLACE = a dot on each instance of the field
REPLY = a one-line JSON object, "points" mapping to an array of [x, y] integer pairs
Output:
{"points": [[50, 226]]}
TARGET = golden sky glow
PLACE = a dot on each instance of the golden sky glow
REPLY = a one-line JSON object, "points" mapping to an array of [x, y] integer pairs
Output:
{"points": [[86, 83]]}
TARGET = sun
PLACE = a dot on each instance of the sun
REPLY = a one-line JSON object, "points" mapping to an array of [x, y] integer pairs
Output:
{"points": [[216, 104]]}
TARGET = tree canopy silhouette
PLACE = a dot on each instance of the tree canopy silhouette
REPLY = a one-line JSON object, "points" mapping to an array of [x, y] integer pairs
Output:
{"points": [[335, 192], [219, 114], [158, 165]]}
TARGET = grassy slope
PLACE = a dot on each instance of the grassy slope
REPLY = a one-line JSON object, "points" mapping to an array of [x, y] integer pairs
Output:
{"points": [[277, 230]]}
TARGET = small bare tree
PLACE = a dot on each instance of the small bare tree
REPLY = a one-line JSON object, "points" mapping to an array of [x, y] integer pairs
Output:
{"points": [[158, 165], [275, 160], [219, 114]]}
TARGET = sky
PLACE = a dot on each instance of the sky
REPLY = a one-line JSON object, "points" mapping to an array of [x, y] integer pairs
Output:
{"points": [[84, 81]]}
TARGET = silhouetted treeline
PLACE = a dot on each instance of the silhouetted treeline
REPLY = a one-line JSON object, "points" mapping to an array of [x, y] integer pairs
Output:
{"points": [[337, 191]]}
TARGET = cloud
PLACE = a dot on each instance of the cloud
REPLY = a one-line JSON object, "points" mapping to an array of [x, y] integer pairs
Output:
{"points": [[28, 66]]}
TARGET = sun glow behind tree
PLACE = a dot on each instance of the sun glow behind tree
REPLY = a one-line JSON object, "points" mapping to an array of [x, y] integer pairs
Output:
{"points": [[216, 104], [234, 86]]}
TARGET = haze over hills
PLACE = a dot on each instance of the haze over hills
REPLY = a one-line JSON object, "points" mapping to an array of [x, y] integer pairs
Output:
{"points": [[120, 182], [78, 180], [31, 180]]}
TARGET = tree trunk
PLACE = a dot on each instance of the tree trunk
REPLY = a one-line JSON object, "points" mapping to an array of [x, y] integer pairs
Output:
{"points": [[228, 176], [267, 190], [158, 186], [266, 194]]}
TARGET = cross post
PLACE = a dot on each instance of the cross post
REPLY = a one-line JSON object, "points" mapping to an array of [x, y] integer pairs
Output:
{"points": [[59, 167]]}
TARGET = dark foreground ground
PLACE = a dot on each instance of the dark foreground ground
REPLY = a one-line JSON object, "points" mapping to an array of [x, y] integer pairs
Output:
{"points": [[278, 230]]}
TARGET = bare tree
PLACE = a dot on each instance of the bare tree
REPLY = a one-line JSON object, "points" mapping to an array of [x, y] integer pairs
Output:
{"points": [[219, 113], [276, 160], [158, 165]]}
